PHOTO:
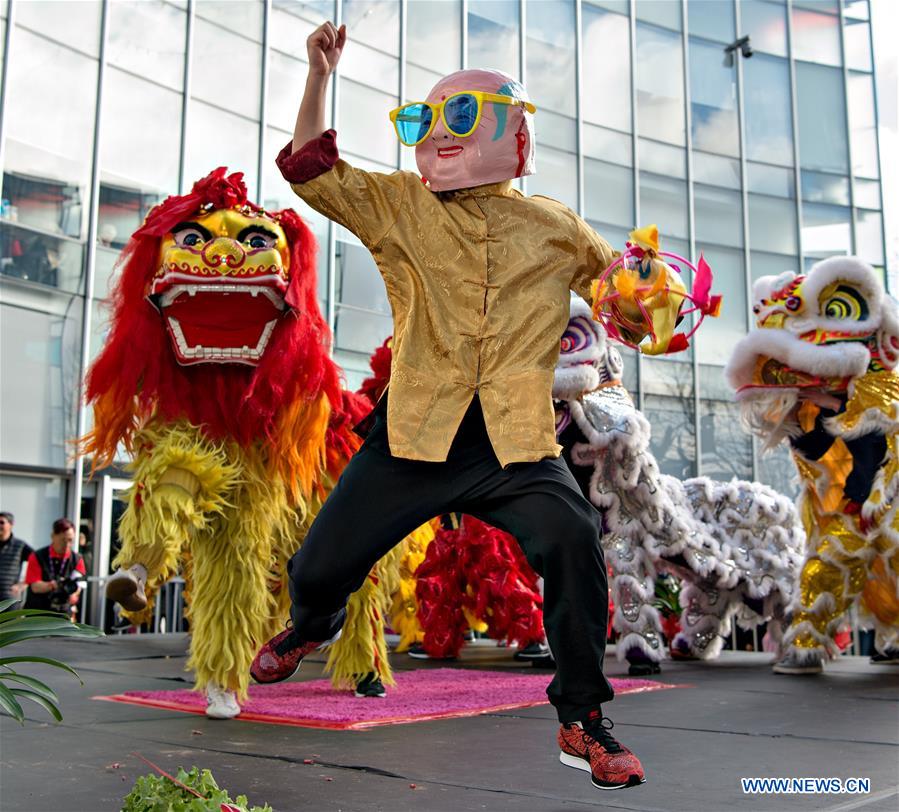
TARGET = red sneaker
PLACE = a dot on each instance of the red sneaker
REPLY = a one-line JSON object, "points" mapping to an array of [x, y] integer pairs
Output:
{"points": [[280, 658], [593, 749]]}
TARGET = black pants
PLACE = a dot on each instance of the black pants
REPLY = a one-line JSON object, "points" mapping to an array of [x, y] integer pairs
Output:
{"points": [[380, 499]]}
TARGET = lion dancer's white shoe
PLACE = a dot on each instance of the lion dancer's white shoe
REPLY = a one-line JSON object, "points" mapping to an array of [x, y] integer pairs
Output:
{"points": [[221, 703], [126, 588]]}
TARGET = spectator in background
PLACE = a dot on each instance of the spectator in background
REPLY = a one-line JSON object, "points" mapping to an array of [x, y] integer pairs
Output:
{"points": [[13, 554], [53, 572]]}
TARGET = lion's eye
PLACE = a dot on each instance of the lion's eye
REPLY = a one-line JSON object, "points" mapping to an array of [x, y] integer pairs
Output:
{"points": [[189, 237], [260, 239], [793, 303], [846, 304]]}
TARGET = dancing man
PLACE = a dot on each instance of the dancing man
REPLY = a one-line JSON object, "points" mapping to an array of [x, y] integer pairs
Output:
{"points": [[478, 278]]}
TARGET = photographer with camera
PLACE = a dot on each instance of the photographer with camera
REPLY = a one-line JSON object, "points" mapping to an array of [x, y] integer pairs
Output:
{"points": [[53, 573]]}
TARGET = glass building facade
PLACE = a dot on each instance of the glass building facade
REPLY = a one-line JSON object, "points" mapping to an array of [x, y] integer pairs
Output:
{"points": [[766, 164]]}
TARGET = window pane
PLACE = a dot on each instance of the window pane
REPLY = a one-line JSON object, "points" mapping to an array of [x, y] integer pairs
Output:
{"points": [[49, 128], [816, 37], [820, 97], [133, 154], [148, 39], [608, 145], [867, 193], [869, 236], [717, 337], [772, 224], [660, 12], [718, 216], [663, 200], [862, 121], [606, 83], [376, 139], [712, 20], [769, 120], [716, 170], [286, 80], [40, 353], [550, 55], [234, 88], [434, 35], [660, 84], [418, 84], [359, 282], [820, 188], [39, 258], [37, 501], [292, 24], [608, 194], [672, 418], [766, 24], [123, 207], [766, 264], [556, 176], [777, 470], [493, 41], [74, 24], [243, 17], [858, 44], [662, 159], [361, 332], [713, 89], [726, 446], [826, 230], [374, 23], [371, 67], [556, 131], [239, 151], [771, 180]]}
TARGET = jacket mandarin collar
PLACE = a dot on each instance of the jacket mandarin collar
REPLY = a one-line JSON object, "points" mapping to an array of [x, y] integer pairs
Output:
{"points": [[501, 189]]}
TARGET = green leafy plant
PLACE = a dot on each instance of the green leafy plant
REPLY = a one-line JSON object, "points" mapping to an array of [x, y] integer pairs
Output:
{"points": [[28, 624], [194, 791]]}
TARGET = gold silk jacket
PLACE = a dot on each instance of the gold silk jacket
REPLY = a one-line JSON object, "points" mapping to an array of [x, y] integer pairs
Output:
{"points": [[478, 281]]}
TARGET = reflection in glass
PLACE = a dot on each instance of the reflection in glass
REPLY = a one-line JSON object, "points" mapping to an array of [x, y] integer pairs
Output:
{"points": [[869, 236], [777, 470], [418, 84], [826, 230], [233, 84], [717, 337], [609, 145], [122, 210], [771, 180], [818, 187], [556, 176], [662, 159], [864, 129], [606, 79], [375, 138], [673, 439], [816, 37], [550, 55], [359, 282], [241, 18], [660, 12], [768, 264], [204, 153], [74, 24], [434, 35], [556, 131], [858, 44], [374, 23], [147, 38], [772, 224], [719, 217], [716, 170], [769, 120], [36, 257], [663, 200], [39, 355], [713, 88], [726, 446], [608, 196], [711, 20], [660, 84], [493, 41], [58, 155], [821, 98], [766, 25], [286, 80], [133, 154], [359, 331], [50, 206], [371, 67], [867, 193]]}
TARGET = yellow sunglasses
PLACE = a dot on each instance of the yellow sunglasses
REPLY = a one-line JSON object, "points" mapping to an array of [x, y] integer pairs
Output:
{"points": [[461, 114]]}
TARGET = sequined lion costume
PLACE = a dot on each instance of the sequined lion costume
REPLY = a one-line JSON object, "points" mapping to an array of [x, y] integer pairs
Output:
{"points": [[216, 378], [735, 545], [819, 373]]}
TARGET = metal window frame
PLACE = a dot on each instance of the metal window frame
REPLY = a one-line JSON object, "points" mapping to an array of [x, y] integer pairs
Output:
{"points": [[635, 160], [185, 93], [794, 113], [4, 82]]}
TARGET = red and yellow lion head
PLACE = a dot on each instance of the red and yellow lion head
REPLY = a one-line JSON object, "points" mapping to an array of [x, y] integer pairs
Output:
{"points": [[215, 321]]}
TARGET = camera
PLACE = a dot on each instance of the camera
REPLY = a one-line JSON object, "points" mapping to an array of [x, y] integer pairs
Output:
{"points": [[59, 597]]}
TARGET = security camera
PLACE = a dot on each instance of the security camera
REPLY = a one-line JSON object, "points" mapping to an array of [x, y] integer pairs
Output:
{"points": [[730, 50]]}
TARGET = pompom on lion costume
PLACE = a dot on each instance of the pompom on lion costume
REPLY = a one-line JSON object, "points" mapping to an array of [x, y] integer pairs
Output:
{"points": [[216, 378]]}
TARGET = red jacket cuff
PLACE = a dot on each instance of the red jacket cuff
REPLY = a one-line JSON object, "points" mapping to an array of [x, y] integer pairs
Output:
{"points": [[314, 158]]}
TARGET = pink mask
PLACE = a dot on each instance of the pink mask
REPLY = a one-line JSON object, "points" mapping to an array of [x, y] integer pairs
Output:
{"points": [[501, 148]]}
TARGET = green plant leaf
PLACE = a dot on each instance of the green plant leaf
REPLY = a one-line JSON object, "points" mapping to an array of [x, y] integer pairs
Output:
{"points": [[18, 631], [6, 617], [10, 705], [35, 684], [40, 700], [8, 602], [6, 661]]}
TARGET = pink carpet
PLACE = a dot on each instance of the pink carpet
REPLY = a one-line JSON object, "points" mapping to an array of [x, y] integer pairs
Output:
{"points": [[434, 693]]}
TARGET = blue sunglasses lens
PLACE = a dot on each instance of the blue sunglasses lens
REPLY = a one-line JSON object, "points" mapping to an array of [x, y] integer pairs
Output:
{"points": [[413, 122], [461, 113]]}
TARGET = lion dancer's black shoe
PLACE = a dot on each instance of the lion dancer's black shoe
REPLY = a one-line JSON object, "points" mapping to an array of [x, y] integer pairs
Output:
{"points": [[589, 746]]}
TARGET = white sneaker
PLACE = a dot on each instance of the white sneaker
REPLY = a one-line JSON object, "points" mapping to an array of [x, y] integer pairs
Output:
{"points": [[792, 663], [221, 703]]}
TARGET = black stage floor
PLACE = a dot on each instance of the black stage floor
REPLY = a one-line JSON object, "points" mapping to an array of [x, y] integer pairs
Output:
{"points": [[737, 720]]}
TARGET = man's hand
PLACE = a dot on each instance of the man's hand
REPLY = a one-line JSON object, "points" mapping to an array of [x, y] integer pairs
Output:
{"points": [[16, 589], [324, 47]]}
